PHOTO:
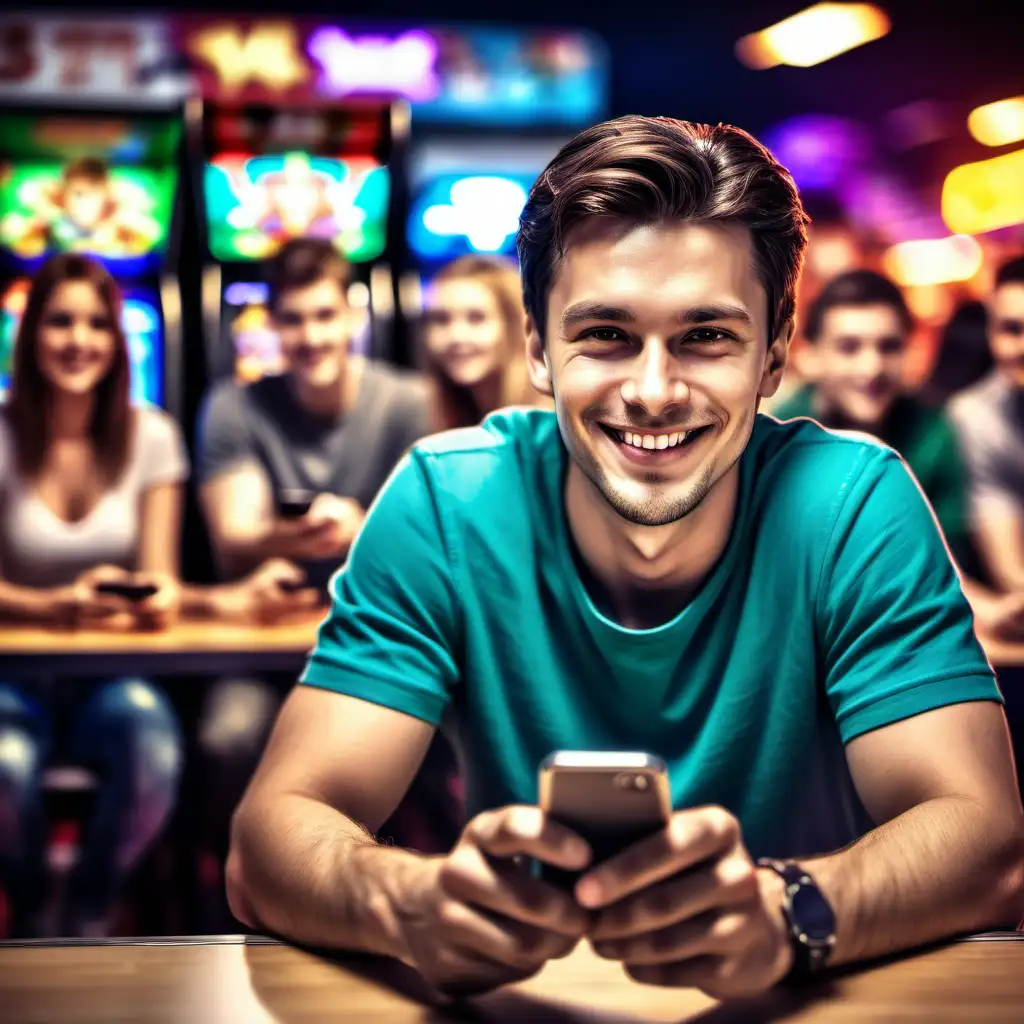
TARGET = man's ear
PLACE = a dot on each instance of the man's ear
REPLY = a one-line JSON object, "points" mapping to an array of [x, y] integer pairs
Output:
{"points": [[776, 360], [537, 359]]}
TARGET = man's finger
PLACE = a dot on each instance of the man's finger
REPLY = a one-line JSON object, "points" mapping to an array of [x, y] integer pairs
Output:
{"points": [[690, 838], [469, 877], [528, 832], [724, 883], [701, 972]]}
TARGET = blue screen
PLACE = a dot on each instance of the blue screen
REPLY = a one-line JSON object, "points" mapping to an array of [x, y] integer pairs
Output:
{"points": [[455, 214]]}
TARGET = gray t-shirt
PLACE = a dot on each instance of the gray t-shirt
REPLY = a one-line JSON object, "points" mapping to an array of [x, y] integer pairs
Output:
{"points": [[990, 422], [350, 456], [38, 549]]}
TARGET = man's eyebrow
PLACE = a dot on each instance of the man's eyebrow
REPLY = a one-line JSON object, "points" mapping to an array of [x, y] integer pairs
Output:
{"points": [[715, 311], [583, 311]]}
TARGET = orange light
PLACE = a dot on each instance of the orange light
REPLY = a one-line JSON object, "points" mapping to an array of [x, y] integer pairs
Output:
{"points": [[998, 124], [986, 195], [813, 35], [933, 261]]}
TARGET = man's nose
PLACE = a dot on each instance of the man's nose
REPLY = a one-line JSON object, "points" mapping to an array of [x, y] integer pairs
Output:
{"points": [[654, 382]]}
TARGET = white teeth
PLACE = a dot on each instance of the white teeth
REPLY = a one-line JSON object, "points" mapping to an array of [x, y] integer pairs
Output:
{"points": [[649, 441], [662, 441], [674, 439], [653, 442]]}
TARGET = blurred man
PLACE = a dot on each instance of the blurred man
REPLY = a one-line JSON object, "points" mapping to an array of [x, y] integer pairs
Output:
{"points": [[857, 330], [332, 428], [652, 567], [990, 419]]}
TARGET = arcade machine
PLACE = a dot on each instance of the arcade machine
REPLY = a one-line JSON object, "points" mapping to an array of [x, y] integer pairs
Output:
{"points": [[103, 188], [508, 100], [274, 169]]}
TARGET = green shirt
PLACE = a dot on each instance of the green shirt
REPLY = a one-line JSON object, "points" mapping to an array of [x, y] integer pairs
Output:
{"points": [[834, 610], [927, 440]]}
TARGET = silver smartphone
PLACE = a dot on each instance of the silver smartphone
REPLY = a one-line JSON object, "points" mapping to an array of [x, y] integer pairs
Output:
{"points": [[610, 799]]}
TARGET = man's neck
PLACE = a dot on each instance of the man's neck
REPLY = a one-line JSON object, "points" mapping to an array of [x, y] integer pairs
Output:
{"points": [[829, 415], [334, 399], [646, 575]]}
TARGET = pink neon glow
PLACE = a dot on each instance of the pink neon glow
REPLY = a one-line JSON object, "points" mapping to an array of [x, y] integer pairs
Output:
{"points": [[404, 66]]}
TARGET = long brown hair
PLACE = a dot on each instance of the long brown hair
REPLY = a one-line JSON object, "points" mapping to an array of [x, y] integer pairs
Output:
{"points": [[456, 405], [29, 406]]}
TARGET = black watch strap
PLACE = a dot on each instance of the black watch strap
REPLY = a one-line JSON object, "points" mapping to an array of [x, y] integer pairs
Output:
{"points": [[811, 921]]}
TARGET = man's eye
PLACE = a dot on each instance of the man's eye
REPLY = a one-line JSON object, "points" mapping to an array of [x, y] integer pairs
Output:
{"points": [[707, 335], [603, 334]]}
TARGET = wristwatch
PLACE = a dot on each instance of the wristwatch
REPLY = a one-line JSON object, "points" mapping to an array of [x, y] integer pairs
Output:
{"points": [[812, 924]]}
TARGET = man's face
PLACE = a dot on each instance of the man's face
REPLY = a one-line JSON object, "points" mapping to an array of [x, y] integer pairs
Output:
{"points": [[858, 361], [1006, 331], [313, 325], [656, 356]]}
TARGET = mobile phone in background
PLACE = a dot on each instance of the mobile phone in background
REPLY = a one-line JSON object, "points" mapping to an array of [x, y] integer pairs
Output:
{"points": [[611, 800], [294, 502], [129, 591]]}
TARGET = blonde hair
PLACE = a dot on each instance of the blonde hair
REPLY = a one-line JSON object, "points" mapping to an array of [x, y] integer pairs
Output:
{"points": [[456, 405]]}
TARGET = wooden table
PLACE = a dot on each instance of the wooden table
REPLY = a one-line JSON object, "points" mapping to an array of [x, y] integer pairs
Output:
{"points": [[186, 648], [249, 981]]}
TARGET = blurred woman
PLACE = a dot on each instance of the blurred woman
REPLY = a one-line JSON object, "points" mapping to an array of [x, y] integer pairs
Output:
{"points": [[474, 340], [90, 496]]}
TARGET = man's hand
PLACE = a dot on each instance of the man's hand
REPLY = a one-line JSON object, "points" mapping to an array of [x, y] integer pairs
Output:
{"points": [[483, 921], [163, 608], [325, 531], [688, 908], [274, 590]]}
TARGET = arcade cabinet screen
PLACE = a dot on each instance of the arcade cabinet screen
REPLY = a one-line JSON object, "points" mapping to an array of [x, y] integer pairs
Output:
{"points": [[458, 213], [142, 326], [256, 203], [245, 320], [120, 214]]}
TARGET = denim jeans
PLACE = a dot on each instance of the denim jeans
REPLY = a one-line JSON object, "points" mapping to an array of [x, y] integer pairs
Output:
{"points": [[127, 734]]}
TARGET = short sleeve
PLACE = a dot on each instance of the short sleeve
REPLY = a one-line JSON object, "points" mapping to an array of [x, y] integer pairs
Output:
{"points": [[983, 439], [163, 458], [223, 438], [392, 634], [896, 632]]}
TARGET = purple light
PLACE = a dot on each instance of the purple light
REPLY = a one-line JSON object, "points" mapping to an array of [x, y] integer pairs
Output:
{"points": [[403, 66], [244, 293], [819, 151]]}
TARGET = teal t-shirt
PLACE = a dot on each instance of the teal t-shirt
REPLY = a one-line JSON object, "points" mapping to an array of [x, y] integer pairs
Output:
{"points": [[834, 610]]}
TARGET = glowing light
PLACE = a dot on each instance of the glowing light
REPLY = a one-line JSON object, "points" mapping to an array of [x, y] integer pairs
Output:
{"points": [[373, 64], [818, 149], [485, 209], [268, 55], [813, 35], [934, 260], [244, 293], [985, 196], [998, 124]]}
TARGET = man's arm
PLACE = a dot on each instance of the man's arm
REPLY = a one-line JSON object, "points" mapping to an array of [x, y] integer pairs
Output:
{"points": [[303, 860], [949, 856], [999, 528]]}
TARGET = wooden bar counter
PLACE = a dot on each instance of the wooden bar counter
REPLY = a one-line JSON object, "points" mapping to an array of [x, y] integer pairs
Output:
{"points": [[251, 980]]}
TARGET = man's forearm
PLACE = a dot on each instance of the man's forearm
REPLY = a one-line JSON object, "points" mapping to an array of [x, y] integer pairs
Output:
{"points": [[943, 868], [307, 872]]}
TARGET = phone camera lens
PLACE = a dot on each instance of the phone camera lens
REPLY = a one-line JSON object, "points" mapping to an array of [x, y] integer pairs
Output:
{"points": [[624, 780], [640, 782]]}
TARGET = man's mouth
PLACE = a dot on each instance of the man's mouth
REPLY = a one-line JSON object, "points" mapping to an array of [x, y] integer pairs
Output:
{"points": [[639, 441]]}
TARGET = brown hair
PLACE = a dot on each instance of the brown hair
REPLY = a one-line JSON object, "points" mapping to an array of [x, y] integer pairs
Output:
{"points": [[653, 169], [89, 168], [857, 288], [456, 405], [28, 408], [302, 262]]}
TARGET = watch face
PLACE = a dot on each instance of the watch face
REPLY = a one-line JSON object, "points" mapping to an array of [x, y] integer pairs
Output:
{"points": [[812, 914]]}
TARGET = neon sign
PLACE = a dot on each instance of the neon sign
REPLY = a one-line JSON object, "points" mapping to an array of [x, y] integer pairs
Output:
{"points": [[405, 66], [268, 55]]}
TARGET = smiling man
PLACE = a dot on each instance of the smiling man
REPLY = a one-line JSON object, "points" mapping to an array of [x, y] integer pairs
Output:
{"points": [[769, 607]]}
